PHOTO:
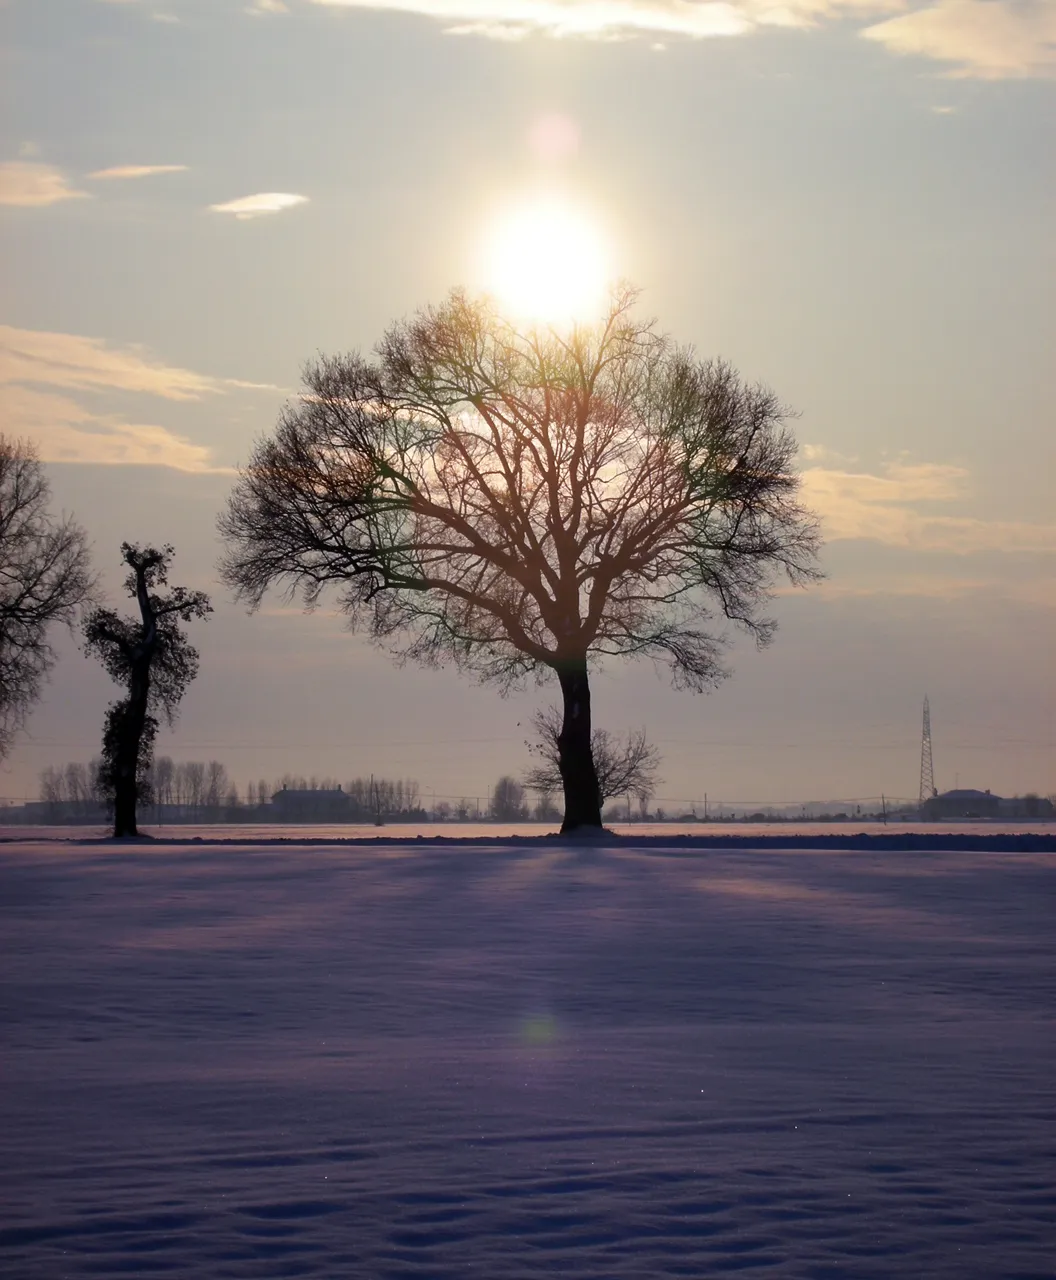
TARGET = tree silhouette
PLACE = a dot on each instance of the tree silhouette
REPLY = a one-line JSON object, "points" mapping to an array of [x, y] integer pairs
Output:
{"points": [[623, 766], [507, 800], [153, 659], [44, 578], [518, 500]]}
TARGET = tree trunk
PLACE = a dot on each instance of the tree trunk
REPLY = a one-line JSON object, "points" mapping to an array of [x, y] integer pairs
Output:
{"points": [[582, 801], [126, 775]]}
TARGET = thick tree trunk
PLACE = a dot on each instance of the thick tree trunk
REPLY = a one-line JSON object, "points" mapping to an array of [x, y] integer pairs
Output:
{"points": [[126, 778], [582, 802]]}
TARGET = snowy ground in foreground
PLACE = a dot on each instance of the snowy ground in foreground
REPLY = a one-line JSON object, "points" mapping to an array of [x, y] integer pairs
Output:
{"points": [[530, 1062]]}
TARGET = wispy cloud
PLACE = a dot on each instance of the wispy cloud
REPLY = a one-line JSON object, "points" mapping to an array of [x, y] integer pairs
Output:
{"points": [[120, 171], [41, 371], [1039, 591], [79, 363], [605, 19], [885, 508], [29, 183], [983, 38], [258, 205], [65, 430]]}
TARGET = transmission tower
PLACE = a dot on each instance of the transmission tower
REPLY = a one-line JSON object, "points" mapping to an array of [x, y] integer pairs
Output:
{"points": [[927, 769]]}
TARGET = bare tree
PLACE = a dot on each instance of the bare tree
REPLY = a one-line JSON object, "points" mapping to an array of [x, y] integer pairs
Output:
{"points": [[522, 500], [52, 789], [624, 766], [44, 578], [154, 660], [544, 809], [194, 783], [163, 778], [217, 784], [507, 800]]}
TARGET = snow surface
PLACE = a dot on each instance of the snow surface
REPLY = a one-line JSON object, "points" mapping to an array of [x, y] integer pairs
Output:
{"points": [[539, 1061]]}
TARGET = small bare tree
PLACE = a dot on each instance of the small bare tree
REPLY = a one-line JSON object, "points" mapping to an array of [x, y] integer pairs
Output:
{"points": [[507, 800], [518, 500], [624, 766], [217, 784], [153, 659], [44, 578]]}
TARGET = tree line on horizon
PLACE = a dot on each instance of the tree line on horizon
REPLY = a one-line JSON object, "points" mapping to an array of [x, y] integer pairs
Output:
{"points": [[196, 790], [520, 501], [202, 791]]}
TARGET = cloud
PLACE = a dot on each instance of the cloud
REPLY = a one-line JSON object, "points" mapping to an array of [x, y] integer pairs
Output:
{"points": [[135, 171], [882, 508], [1039, 592], [256, 206], [985, 39], [506, 19], [39, 371], [78, 363], [65, 431], [31, 184], [262, 7]]}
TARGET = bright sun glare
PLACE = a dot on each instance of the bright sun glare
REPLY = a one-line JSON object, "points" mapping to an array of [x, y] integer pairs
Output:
{"points": [[546, 261]]}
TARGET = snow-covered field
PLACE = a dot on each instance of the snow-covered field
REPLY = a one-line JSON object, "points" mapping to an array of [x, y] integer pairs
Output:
{"points": [[764, 832], [506, 1062]]}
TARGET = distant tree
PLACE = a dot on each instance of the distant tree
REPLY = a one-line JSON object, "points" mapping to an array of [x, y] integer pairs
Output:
{"points": [[52, 789], [544, 809], [44, 578], [155, 662], [194, 784], [519, 500], [507, 800], [623, 766], [162, 780], [217, 784]]}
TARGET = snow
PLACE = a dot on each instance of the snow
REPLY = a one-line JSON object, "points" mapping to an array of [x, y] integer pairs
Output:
{"points": [[436, 1062]]}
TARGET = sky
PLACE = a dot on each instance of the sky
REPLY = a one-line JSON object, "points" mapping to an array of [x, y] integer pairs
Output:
{"points": [[851, 200]]}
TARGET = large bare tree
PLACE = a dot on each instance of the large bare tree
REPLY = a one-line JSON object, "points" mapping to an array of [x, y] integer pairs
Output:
{"points": [[155, 662], [44, 578], [518, 499]]}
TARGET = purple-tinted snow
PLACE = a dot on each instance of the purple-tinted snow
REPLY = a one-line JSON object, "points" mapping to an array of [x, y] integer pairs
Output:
{"points": [[530, 1062]]}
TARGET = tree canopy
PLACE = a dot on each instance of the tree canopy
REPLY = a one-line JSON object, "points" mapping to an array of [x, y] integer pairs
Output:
{"points": [[514, 499], [45, 576]]}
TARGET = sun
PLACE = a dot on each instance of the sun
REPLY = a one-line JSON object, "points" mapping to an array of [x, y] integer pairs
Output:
{"points": [[547, 261]]}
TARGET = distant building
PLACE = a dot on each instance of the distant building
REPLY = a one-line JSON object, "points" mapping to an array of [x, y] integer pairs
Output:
{"points": [[290, 805], [963, 804], [967, 804]]}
